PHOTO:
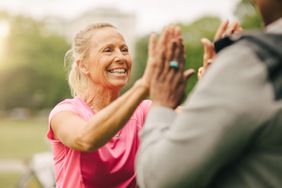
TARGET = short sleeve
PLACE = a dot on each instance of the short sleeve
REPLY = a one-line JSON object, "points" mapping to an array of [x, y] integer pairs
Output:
{"points": [[66, 105]]}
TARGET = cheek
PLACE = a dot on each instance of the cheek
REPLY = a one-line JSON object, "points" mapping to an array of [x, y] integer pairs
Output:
{"points": [[101, 65], [129, 60]]}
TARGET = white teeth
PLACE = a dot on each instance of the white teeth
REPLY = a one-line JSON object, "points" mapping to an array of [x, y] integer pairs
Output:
{"points": [[121, 71]]}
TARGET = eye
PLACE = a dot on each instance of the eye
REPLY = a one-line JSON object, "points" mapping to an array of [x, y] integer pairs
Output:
{"points": [[124, 49], [108, 49]]}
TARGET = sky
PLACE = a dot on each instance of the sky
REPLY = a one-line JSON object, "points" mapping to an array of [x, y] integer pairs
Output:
{"points": [[152, 15]]}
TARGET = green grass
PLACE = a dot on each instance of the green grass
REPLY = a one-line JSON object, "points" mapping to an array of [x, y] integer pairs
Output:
{"points": [[9, 180], [19, 139]]}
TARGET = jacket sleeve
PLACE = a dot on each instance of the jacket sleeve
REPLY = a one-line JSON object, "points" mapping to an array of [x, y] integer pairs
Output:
{"points": [[219, 119]]}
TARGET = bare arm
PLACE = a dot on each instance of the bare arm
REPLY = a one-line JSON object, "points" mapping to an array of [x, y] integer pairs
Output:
{"points": [[91, 135]]}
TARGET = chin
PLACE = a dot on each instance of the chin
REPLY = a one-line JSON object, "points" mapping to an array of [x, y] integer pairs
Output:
{"points": [[118, 85]]}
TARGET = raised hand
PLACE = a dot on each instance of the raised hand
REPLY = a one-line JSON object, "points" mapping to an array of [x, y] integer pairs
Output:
{"points": [[169, 78], [225, 29]]}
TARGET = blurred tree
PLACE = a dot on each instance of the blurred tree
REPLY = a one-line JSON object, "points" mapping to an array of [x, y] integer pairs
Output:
{"points": [[33, 75], [204, 27], [192, 34], [140, 60], [247, 15]]}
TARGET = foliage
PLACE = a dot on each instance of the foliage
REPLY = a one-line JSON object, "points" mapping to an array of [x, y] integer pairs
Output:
{"points": [[140, 58], [33, 75], [192, 34], [248, 15], [9, 179], [19, 140]]}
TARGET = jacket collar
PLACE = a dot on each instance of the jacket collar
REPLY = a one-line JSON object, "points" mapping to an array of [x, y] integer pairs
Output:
{"points": [[275, 27]]}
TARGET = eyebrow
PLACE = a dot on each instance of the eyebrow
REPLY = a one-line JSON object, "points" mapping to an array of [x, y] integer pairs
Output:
{"points": [[111, 44]]}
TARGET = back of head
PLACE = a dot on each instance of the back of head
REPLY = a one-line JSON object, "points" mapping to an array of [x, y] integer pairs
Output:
{"points": [[79, 52]]}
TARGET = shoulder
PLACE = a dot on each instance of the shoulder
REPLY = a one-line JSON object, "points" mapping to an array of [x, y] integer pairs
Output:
{"points": [[238, 81], [259, 44], [241, 49], [239, 61], [239, 68], [72, 105]]}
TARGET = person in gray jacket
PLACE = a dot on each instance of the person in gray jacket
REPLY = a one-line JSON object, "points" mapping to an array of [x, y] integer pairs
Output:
{"points": [[228, 134]]}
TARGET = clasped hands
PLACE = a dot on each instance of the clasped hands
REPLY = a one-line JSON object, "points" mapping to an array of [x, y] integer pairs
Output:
{"points": [[165, 74]]}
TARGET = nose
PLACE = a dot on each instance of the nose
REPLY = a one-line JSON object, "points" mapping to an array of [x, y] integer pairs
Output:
{"points": [[119, 57]]}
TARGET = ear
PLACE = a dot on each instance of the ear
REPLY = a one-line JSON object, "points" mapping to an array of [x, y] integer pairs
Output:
{"points": [[82, 67]]}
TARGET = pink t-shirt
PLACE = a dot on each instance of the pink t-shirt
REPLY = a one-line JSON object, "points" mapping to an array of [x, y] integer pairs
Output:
{"points": [[111, 166]]}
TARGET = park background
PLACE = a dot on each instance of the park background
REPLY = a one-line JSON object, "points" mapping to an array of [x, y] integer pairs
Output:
{"points": [[32, 48]]}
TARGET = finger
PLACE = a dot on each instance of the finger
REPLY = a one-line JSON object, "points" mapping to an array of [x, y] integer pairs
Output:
{"points": [[161, 44], [188, 73], [221, 30], [209, 62], [152, 45], [171, 55], [161, 49], [174, 55], [152, 52], [182, 80], [185, 77], [163, 35], [200, 72], [209, 51], [181, 54], [166, 36], [177, 32], [172, 50], [238, 29], [170, 44], [180, 93], [177, 78], [234, 27]]}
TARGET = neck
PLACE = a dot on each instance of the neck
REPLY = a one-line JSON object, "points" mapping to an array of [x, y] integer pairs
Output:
{"points": [[274, 18], [270, 10], [99, 97]]}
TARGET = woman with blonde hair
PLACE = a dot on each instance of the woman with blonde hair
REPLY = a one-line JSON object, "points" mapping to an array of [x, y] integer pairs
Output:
{"points": [[94, 135]]}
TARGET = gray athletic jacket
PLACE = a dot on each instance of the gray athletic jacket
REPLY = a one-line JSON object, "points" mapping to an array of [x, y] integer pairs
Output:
{"points": [[228, 135]]}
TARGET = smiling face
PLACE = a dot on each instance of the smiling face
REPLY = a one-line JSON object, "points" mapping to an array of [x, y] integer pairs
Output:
{"points": [[108, 63]]}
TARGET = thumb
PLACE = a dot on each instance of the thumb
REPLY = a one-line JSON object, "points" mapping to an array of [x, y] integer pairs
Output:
{"points": [[188, 73], [209, 52], [200, 72]]}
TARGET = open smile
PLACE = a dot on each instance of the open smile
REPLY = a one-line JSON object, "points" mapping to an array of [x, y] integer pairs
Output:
{"points": [[118, 71]]}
